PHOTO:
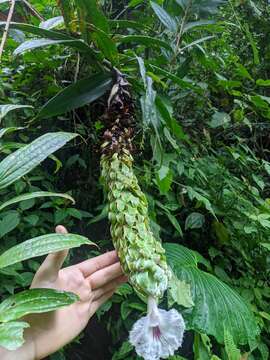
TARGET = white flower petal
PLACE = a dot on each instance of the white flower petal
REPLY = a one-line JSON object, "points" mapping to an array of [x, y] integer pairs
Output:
{"points": [[159, 334]]}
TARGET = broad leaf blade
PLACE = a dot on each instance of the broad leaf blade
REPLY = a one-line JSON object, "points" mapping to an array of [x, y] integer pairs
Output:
{"points": [[25, 159], [216, 304], [11, 334], [34, 301], [76, 95], [5, 109], [34, 195], [41, 245]]}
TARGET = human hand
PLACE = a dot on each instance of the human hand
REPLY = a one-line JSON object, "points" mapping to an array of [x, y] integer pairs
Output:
{"points": [[93, 280]]}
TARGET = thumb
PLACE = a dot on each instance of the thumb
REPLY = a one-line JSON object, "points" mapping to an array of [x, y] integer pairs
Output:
{"points": [[51, 266]]}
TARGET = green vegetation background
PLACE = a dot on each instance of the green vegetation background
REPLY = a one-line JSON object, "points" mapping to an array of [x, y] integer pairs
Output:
{"points": [[200, 77]]}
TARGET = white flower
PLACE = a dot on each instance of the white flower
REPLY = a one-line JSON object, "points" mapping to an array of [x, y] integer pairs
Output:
{"points": [[159, 334]]}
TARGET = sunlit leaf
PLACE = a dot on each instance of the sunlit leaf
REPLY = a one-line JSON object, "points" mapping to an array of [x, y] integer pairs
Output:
{"points": [[40, 43], [41, 245], [166, 19], [52, 23], [11, 334], [34, 195], [5, 109], [34, 301], [22, 161]]}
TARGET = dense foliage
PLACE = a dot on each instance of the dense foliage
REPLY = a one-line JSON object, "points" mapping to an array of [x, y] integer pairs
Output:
{"points": [[199, 74]]}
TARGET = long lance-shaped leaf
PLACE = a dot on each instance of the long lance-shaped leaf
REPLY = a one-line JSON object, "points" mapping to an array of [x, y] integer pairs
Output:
{"points": [[9, 130], [5, 109], [41, 245], [34, 301], [166, 19], [35, 30], [25, 159], [54, 35], [52, 23], [145, 40], [76, 95], [11, 334], [34, 195], [40, 43]]}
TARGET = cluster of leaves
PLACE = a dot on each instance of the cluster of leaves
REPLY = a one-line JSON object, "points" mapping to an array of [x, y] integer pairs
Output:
{"points": [[200, 79]]}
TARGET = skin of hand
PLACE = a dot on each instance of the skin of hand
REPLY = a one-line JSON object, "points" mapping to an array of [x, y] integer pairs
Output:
{"points": [[93, 280]]}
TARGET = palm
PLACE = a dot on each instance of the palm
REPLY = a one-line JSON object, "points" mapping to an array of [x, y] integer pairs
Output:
{"points": [[93, 280]]}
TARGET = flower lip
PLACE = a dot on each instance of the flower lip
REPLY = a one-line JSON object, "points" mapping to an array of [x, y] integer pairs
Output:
{"points": [[159, 334]]}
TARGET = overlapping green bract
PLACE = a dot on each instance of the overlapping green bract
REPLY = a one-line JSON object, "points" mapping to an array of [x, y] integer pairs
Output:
{"points": [[141, 255]]}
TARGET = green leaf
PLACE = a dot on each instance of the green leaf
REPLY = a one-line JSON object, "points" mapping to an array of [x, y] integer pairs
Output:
{"points": [[219, 119], [197, 24], [194, 221], [22, 161], [5, 109], [67, 8], [93, 14], [11, 334], [179, 292], [145, 40], [34, 195], [52, 23], [262, 82], [77, 95], [9, 130], [106, 45], [9, 223], [167, 20], [177, 80], [196, 42], [127, 24], [203, 7], [175, 223], [265, 245], [41, 245], [216, 304], [164, 179], [122, 353], [34, 301], [35, 30], [231, 350], [38, 43]]}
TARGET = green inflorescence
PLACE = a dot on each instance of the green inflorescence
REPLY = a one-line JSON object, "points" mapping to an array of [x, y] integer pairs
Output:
{"points": [[141, 255]]}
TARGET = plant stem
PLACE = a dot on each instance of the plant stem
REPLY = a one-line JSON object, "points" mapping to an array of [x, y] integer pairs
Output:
{"points": [[179, 36], [5, 33]]}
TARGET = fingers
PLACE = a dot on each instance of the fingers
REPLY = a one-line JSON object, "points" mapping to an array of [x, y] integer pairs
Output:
{"points": [[60, 229], [104, 276], [96, 304], [111, 286], [90, 266], [50, 267]]}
